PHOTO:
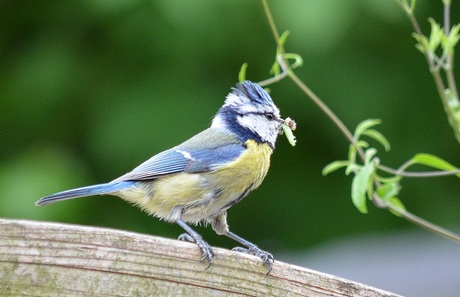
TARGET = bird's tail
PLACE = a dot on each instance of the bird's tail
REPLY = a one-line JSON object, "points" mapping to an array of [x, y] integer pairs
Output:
{"points": [[102, 189]]}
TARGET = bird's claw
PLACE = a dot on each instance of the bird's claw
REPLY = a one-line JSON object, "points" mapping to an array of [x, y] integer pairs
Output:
{"points": [[254, 250], [206, 250]]}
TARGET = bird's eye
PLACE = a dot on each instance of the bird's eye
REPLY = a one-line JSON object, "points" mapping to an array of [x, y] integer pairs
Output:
{"points": [[269, 116]]}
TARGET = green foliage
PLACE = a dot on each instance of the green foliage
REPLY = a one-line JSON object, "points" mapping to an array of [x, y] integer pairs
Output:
{"points": [[362, 188], [367, 184], [438, 38]]}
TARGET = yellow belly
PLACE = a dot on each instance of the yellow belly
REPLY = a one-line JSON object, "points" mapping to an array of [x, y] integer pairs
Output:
{"points": [[198, 196]]}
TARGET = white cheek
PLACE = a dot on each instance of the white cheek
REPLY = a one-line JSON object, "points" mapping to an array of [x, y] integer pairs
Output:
{"points": [[260, 126]]}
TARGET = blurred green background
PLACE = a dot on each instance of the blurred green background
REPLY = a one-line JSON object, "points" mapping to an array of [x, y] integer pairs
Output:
{"points": [[90, 89]]}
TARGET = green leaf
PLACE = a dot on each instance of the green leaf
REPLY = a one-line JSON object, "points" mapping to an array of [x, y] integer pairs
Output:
{"points": [[352, 154], [449, 42], [387, 191], [242, 73], [435, 36], [422, 42], [351, 168], [334, 166], [369, 154], [433, 161], [396, 203], [360, 185], [298, 61], [283, 37], [362, 143], [365, 125], [276, 69], [376, 135]]}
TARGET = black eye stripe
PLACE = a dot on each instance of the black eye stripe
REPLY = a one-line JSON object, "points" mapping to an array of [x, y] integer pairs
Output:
{"points": [[268, 115]]}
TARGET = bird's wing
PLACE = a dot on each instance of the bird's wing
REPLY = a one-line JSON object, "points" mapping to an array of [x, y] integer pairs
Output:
{"points": [[181, 159]]}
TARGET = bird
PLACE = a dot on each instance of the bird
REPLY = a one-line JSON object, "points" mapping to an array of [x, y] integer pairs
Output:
{"points": [[198, 180]]}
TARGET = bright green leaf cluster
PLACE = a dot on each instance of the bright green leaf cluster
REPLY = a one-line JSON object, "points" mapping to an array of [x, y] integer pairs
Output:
{"points": [[364, 128], [449, 42], [362, 187], [438, 37], [367, 184]]}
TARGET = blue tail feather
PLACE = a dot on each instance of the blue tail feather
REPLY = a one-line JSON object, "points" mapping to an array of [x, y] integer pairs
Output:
{"points": [[102, 189]]}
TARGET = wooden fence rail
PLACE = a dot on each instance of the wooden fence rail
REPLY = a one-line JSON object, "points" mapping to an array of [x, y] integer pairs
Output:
{"points": [[48, 259]]}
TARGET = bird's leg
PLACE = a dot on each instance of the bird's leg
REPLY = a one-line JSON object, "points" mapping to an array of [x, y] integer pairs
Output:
{"points": [[219, 224], [252, 249], [192, 236]]}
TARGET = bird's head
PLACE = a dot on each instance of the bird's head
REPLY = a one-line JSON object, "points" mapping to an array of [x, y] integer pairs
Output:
{"points": [[250, 113]]}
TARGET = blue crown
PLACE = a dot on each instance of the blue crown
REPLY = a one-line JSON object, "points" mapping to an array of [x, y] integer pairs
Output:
{"points": [[253, 92]]}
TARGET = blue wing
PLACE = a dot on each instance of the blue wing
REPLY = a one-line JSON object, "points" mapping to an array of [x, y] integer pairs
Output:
{"points": [[181, 159]]}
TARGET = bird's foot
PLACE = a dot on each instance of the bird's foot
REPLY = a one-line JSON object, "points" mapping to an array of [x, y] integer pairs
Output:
{"points": [[254, 250], [206, 250]]}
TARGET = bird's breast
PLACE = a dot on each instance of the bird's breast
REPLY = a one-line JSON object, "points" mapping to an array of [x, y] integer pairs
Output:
{"points": [[248, 170]]}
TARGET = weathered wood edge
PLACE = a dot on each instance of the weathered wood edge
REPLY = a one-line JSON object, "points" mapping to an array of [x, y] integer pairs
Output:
{"points": [[49, 259]]}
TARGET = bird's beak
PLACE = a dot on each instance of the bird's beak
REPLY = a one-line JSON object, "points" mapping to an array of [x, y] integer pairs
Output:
{"points": [[281, 122]]}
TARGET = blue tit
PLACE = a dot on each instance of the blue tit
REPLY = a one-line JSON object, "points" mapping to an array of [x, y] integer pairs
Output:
{"points": [[198, 180]]}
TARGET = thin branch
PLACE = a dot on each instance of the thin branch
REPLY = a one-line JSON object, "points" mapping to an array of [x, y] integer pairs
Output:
{"points": [[415, 219], [403, 173], [272, 80], [446, 17], [429, 226]]}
